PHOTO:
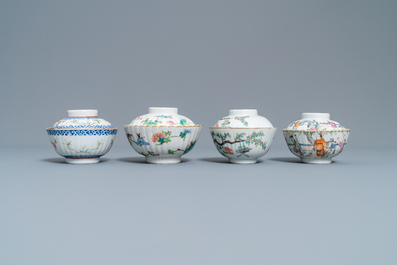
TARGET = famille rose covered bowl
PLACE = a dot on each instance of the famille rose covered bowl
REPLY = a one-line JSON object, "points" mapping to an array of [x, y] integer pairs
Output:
{"points": [[82, 137], [243, 136], [162, 135], [315, 138]]}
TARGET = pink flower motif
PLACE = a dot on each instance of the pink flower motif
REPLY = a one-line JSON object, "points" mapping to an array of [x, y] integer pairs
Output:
{"points": [[332, 124], [156, 137], [171, 122]]}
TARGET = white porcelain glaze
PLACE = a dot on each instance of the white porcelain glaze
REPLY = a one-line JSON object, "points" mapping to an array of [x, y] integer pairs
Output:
{"points": [[162, 135], [241, 145], [162, 145], [162, 116], [315, 122], [243, 136], [82, 119], [315, 138], [82, 137], [243, 118]]}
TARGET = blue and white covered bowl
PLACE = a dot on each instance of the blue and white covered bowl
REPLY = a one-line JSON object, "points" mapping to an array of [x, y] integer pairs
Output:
{"points": [[82, 137], [162, 135], [243, 136], [315, 138]]}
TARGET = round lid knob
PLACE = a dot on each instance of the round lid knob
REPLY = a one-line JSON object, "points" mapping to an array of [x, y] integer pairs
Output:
{"points": [[315, 116], [163, 110], [82, 113], [243, 112]]}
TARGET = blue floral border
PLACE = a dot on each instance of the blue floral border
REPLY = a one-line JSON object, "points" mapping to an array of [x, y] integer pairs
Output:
{"points": [[81, 132], [85, 126]]}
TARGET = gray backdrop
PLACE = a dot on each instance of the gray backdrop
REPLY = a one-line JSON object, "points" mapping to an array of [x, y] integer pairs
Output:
{"points": [[204, 57]]}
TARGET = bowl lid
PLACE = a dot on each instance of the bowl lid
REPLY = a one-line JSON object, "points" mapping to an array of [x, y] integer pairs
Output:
{"points": [[162, 116], [243, 118], [82, 119], [315, 122]]}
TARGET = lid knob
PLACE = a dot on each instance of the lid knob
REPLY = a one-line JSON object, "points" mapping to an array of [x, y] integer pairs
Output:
{"points": [[314, 116], [165, 110], [243, 112], [83, 113]]}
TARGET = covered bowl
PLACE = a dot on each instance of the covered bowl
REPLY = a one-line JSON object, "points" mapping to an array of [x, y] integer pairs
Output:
{"points": [[243, 136], [315, 138], [82, 137], [162, 135]]}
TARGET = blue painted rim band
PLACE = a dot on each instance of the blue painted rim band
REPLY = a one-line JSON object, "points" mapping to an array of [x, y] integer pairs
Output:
{"points": [[88, 132]]}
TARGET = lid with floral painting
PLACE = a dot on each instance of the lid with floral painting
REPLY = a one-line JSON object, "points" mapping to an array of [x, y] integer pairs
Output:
{"points": [[82, 119], [243, 118], [315, 122], [162, 116]]}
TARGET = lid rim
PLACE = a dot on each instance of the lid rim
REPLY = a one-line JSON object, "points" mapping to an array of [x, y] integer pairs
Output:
{"points": [[80, 129], [245, 128]]}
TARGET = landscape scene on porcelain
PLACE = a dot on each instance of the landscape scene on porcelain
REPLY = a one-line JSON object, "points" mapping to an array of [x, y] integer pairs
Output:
{"points": [[243, 118], [316, 144], [315, 125], [243, 135], [315, 122], [316, 136], [243, 144]]}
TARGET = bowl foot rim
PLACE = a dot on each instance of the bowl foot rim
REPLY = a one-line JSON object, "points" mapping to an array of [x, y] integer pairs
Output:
{"points": [[316, 160], [88, 160], [163, 160], [242, 161]]}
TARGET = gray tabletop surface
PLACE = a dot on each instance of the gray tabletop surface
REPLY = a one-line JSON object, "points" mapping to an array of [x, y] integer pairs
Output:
{"points": [[201, 211]]}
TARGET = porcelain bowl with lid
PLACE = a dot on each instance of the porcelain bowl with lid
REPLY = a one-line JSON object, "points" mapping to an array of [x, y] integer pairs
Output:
{"points": [[82, 137], [315, 138], [243, 136], [162, 135]]}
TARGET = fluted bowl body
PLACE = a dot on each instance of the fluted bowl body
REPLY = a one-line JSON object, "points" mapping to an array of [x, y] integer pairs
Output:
{"points": [[162, 144], [82, 146], [316, 147]]}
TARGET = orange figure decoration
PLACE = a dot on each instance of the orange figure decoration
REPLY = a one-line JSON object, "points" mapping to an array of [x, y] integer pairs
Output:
{"points": [[297, 123], [320, 145]]}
